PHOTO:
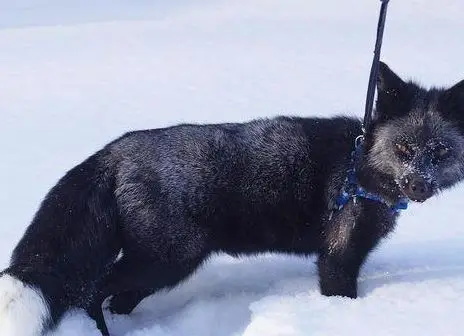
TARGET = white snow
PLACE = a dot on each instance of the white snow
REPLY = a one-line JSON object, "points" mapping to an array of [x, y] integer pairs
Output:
{"points": [[75, 74]]}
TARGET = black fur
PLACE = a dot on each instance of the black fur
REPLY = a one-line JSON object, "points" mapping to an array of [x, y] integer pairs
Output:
{"points": [[171, 197]]}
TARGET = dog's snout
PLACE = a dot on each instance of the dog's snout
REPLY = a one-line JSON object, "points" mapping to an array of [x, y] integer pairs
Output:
{"points": [[417, 188]]}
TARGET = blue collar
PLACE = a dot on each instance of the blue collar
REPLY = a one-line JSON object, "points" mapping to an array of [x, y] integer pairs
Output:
{"points": [[351, 189]]}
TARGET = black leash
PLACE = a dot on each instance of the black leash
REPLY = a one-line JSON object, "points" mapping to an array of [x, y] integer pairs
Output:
{"points": [[351, 190], [375, 67]]}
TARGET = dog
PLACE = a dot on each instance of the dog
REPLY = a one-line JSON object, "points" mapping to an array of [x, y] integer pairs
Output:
{"points": [[144, 212]]}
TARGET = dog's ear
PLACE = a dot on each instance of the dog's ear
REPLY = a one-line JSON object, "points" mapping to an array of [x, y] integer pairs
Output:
{"points": [[392, 94], [452, 104], [457, 91], [388, 82]]}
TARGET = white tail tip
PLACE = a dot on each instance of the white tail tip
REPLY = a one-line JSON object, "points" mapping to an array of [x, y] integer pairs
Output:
{"points": [[23, 309]]}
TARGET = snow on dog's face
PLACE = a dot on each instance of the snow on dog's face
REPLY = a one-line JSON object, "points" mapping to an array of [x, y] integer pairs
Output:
{"points": [[417, 140]]}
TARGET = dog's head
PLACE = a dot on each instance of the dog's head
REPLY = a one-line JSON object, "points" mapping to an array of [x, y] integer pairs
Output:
{"points": [[417, 136]]}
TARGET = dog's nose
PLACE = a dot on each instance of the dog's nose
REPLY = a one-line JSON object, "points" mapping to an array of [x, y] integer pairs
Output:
{"points": [[417, 188]]}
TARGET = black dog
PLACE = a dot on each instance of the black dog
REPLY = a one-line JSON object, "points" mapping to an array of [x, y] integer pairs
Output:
{"points": [[165, 199]]}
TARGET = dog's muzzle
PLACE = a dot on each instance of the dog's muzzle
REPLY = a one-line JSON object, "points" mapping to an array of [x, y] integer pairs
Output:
{"points": [[417, 188]]}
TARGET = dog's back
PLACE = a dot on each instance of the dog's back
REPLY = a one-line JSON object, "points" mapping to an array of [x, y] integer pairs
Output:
{"points": [[241, 186]]}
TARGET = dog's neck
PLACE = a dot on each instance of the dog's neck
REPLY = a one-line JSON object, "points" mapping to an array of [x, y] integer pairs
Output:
{"points": [[374, 181]]}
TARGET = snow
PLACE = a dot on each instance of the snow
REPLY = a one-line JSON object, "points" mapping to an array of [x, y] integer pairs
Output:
{"points": [[77, 74]]}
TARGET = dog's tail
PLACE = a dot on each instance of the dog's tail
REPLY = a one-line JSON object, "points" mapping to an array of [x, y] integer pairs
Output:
{"points": [[24, 310], [64, 253]]}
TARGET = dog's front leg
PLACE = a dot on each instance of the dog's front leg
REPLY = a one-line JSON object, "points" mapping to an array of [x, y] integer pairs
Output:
{"points": [[349, 239], [338, 275], [340, 256]]}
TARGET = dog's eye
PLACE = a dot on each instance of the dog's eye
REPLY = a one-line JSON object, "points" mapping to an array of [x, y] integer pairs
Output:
{"points": [[404, 150], [440, 153]]}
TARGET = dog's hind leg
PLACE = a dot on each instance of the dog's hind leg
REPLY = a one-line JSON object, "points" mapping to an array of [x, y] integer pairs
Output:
{"points": [[96, 313], [140, 278], [161, 245]]}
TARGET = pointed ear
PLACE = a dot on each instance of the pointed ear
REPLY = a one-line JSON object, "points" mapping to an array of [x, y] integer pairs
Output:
{"points": [[457, 90], [452, 104], [393, 95], [388, 82]]}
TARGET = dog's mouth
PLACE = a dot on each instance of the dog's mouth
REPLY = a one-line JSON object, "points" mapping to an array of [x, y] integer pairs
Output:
{"points": [[414, 198], [416, 188]]}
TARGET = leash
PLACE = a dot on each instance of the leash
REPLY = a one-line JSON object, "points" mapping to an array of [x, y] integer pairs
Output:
{"points": [[375, 67], [351, 190]]}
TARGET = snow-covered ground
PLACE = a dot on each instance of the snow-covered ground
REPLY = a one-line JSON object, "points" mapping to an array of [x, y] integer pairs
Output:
{"points": [[75, 74]]}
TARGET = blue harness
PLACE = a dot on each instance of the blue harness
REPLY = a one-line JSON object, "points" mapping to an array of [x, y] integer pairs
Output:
{"points": [[352, 190]]}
